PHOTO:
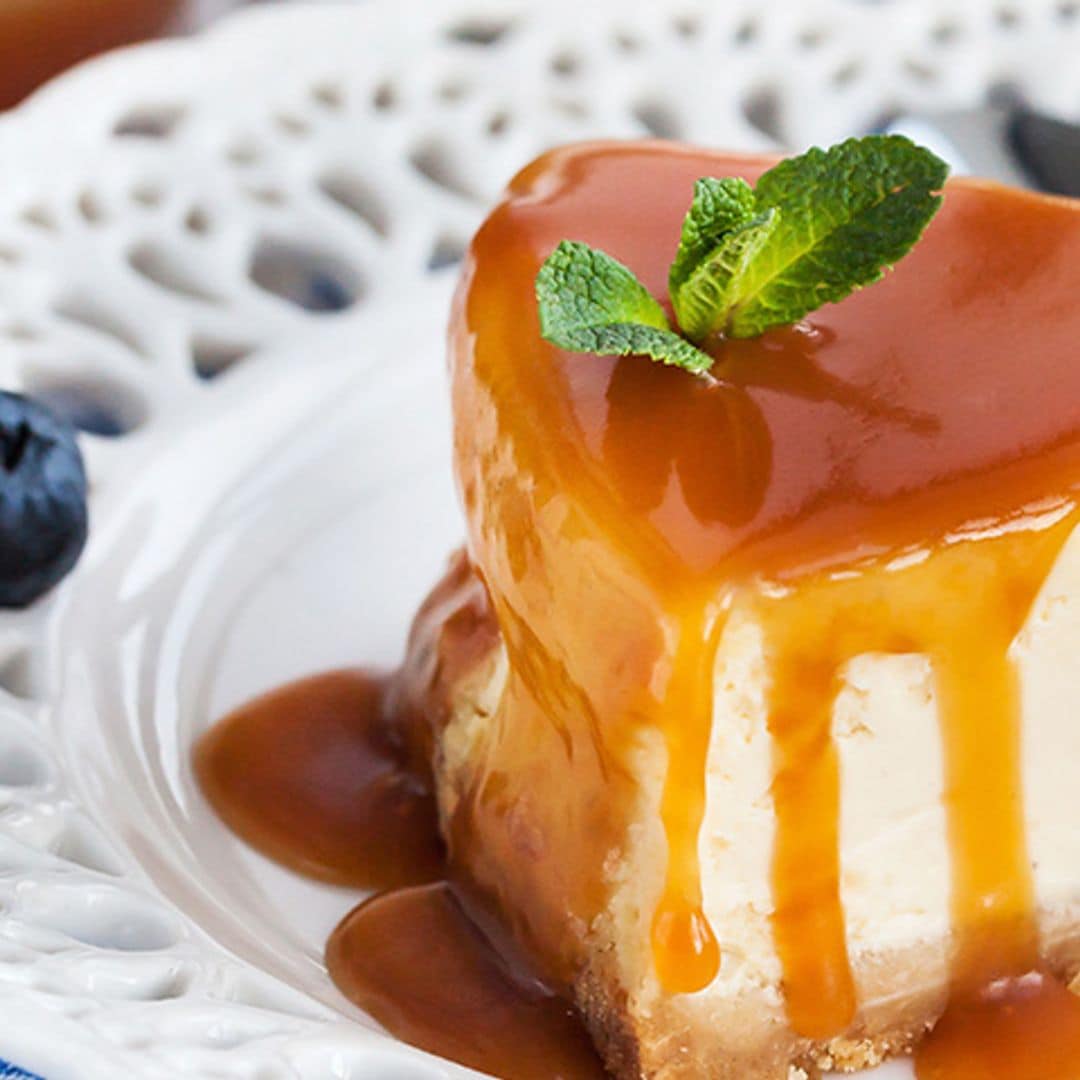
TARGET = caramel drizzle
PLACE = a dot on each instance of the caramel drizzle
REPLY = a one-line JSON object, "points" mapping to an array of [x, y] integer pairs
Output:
{"points": [[806, 855], [962, 605], [685, 950]]}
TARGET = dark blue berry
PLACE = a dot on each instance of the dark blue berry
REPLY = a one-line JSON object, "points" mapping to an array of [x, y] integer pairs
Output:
{"points": [[43, 517]]}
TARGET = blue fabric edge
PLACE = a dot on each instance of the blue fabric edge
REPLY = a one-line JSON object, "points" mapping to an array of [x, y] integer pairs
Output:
{"points": [[13, 1072]]}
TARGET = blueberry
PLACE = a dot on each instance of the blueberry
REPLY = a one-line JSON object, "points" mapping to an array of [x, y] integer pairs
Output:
{"points": [[43, 517]]}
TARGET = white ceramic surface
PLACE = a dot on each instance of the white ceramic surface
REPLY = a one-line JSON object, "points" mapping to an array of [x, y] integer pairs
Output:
{"points": [[163, 211]]}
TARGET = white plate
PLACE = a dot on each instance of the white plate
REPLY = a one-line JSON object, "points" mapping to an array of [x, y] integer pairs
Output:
{"points": [[288, 515]]}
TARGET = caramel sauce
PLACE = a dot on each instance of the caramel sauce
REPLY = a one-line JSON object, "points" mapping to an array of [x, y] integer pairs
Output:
{"points": [[310, 775], [417, 962], [1019, 1028], [39, 38], [687, 955]]}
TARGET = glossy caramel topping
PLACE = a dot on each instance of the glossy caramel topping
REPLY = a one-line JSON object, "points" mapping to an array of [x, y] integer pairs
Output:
{"points": [[414, 960], [618, 508], [958, 364]]}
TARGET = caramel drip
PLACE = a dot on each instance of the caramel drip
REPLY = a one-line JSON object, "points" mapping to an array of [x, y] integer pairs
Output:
{"points": [[685, 951], [993, 894], [961, 604], [808, 923]]}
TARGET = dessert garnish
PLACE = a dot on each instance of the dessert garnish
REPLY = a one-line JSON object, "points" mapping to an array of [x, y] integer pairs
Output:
{"points": [[812, 230], [43, 516]]}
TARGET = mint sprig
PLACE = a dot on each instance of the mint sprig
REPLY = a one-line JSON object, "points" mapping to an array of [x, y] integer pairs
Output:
{"points": [[813, 230]]}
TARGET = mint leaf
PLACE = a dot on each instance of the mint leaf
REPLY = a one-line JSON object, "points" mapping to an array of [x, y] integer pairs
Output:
{"points": [[590, 302], [703, 301], [579, 286], [845, 215], [719, 206]]}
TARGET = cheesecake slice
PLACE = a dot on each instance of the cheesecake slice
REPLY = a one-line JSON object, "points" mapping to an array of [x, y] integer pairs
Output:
{"points": [[770, 744]]}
